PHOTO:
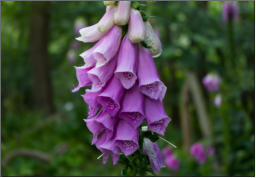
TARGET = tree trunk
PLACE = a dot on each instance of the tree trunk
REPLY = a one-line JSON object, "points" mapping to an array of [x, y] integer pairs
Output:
{"points": [[42, 88]]}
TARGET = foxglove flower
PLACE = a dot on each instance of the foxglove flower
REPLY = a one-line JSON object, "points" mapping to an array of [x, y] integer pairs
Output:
{"points": [[90, 34], [108, 46], [198, 152], [149, 81], [126, 65], [172, 162], [132, 107], [154, 154], [136, 28], [82, 77], [89, 60], [100, 75], [217, 101], [110, 148], [111, 96], [122, 13], [211, 82], [97, 31], [127, 137], [90, 98], [102, 121], [230, 11], [156, 117], [152, 40], [167, 151]]}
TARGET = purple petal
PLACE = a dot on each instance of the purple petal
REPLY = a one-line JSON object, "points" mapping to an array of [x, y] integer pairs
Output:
{"points": [[109, 148], [90, 98], [154, 154], [88, 57], [126, 137], [82, 77], [94, 127], [156, 117], [132, 107], [111, 96], [106, 120], [100, 75], [136, 28], [122, 13], [149, 81], [108, 46], [107, 21], [126, 63], [198, 152]]}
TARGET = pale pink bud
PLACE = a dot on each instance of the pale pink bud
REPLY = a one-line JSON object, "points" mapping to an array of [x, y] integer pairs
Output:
{"points": [[136, 29], [122, 13], [107, 21]]}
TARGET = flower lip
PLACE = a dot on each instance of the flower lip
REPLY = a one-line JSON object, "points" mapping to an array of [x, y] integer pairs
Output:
{"points": [[126, 137], [127, 79], [109, 105], [155, 90], [135, 118]]}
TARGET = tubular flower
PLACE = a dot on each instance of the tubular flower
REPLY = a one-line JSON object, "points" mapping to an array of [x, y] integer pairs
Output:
{"points": [[100, 75], [154, 154], [111, 96], [126, 137], [136, 29], [90, 34], [82, 77], [90, 98], [97, 31], [132, 107], [126, 65], [108, 46], [149, 81], [156, 117], [125, 86], [122, 13], [198, 152], [152, 40]]}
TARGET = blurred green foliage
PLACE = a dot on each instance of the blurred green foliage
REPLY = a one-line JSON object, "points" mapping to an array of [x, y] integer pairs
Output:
{"points": [[194, 37]]}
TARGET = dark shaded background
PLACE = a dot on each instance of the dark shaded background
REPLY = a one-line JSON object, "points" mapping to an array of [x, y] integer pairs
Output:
{"points": [[43, 133]]}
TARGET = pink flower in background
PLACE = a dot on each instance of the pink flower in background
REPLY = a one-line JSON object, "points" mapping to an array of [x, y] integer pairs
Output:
{"points": [[172, 162], [211, 82], [167, 151], [125, 88], [230, 11], [217, 101], [197, 151]]}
